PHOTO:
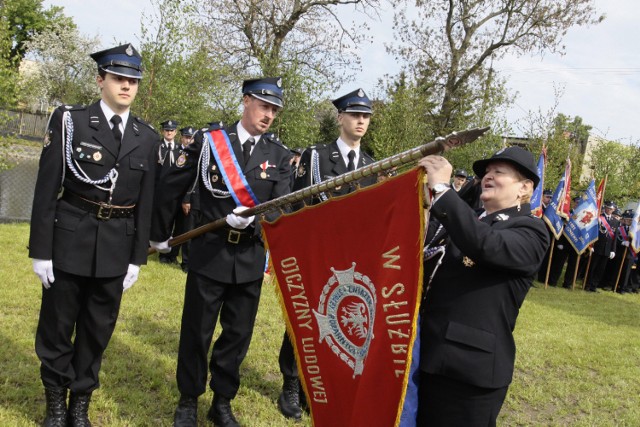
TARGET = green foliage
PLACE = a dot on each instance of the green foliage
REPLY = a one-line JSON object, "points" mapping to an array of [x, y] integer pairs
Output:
{"points": [[62, 71], [619, 163], [25, 19], [576, 363]]}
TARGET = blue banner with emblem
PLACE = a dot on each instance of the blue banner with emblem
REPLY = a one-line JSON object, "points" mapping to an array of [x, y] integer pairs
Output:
{"points": [[582, 228], [551, 216]]}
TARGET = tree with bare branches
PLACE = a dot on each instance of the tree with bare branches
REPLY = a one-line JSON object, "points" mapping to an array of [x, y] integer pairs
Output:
{"points": [[448, 46]]}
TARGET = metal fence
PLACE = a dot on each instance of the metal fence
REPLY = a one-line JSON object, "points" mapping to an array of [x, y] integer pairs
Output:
{"points": [[18, 182], [23, 124]]}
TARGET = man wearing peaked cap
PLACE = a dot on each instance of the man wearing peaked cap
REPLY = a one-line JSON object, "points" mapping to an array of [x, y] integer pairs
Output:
{"points": [[624, 258], [604, 249], [226, 266], [121, 60], [87, 245], [325, 162], [459, 179], [267, 89]]}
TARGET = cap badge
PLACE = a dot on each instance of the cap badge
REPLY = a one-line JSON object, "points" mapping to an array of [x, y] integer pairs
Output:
{"points": [[361, 93], [129, 50], [468, 262], [279, 82]]}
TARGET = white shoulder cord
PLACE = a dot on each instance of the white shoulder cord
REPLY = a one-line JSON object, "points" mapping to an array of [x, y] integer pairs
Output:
{"points": [[75, 168], [315, 173], [205, 158]]}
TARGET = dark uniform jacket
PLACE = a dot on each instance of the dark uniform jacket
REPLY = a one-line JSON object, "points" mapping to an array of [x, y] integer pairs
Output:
{"points": [[331, 165], [76, 240], [211, 255], [605, 243], [163, 157], [470, 310]]}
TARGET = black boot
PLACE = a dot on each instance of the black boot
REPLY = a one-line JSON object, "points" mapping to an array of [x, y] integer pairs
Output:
{"points": [[187, 412], [221, 413], [289, 400], [79, 409], [56, 398]]}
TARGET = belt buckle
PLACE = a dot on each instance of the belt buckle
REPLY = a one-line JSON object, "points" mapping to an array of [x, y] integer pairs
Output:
{"points": [[234, 236], [101, 215]]}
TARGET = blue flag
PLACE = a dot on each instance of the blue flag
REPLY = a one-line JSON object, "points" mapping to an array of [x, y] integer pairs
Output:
{"points": [[550, 215], [634, 230], [582, 228], [536, 198]]}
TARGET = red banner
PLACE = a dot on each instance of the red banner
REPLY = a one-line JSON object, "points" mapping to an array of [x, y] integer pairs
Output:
{"points": [[349, 274]]}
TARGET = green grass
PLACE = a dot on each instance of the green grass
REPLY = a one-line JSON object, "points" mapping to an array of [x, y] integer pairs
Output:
{"points": [[578, 359]]}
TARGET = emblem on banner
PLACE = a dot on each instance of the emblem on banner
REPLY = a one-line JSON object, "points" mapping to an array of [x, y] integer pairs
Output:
{"points": [[345, 316]]}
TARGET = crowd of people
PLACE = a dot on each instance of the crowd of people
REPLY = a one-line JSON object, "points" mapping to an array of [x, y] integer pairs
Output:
{"points": [[108, 188]]}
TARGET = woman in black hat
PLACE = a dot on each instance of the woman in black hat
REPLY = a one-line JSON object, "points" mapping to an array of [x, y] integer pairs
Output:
{"points": [[473, 300]]}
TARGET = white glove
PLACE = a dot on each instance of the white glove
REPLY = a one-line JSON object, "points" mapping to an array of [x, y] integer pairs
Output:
{"points": [[131, 277], [239, 222], [612, 255], [590, 249], [560, 247], [625, 243], [162, 247], [44, 271]]}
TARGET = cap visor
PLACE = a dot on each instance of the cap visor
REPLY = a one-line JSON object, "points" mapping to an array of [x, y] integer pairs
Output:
{"points": [[268, 98], [124, 71]]}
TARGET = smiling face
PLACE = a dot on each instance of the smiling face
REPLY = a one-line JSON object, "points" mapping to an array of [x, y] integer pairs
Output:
{"points": [[353, 126], [118, 92], [503, 187], [258, 115]]}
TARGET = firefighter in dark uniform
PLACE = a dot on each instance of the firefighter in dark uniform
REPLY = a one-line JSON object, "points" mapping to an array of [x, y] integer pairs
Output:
{"points": [[168, 153], [89, 230], [318, 164], [604, 249], [226, 266], [625, 256], [184, 222]]}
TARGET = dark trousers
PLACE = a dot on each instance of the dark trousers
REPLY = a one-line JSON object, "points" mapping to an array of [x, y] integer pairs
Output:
{"points": [[184, 223], [596, 270], [571, 267], [236, 305], [87, 305], [443, 401], [557, 262], [287, 359]]}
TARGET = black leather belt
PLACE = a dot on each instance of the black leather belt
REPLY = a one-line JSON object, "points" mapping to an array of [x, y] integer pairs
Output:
{"points": [[233, 236], [101, 210]]}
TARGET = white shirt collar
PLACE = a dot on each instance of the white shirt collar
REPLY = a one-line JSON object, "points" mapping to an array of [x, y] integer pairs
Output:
{"points": [[344, 152], [108, 113], [243, 134]]}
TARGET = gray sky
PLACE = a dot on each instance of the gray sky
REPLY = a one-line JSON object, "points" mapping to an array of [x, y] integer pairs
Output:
{"points": [[599, 74]]}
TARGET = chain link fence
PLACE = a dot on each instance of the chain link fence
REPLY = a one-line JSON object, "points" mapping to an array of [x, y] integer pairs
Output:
{"points": [[17, 183]]}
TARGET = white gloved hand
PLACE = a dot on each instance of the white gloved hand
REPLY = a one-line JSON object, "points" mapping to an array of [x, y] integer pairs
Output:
{"points": [[162, 247], [239, 222], [560, 247], [44, 270], [612, 255], [625, 243], [590, 249], [131, 277]]}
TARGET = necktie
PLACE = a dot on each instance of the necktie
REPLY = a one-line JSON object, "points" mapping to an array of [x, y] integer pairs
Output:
{"points": [[171, 159], [116, 120], [246, 149], [351, 166]]}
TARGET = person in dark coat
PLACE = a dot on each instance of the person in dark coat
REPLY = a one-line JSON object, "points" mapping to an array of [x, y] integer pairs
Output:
{"points": [[168, 154], [472, 303], [226, 266], [318, 164], [89, 230], [604, 249]]}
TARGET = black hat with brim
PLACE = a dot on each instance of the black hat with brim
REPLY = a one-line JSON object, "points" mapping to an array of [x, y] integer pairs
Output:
{"points": [[521, 159], [123, 60]]}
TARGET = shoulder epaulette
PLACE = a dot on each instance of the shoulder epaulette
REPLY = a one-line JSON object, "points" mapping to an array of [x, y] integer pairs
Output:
{"points": [[139, 120], [73, 107], [273, 138]]}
